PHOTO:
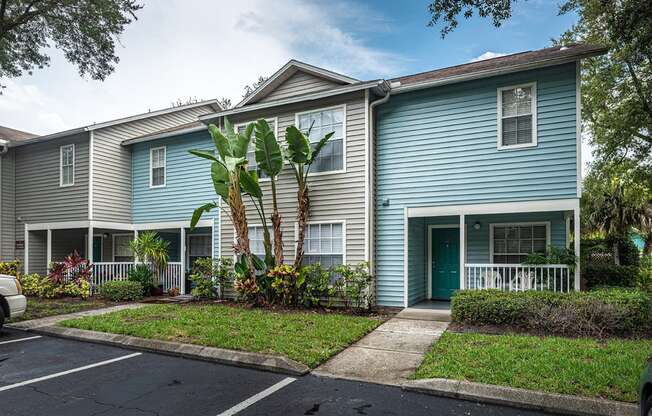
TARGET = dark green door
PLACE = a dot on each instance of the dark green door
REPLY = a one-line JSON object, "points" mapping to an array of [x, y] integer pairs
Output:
{"points": [[97, 249], [445, 262]]}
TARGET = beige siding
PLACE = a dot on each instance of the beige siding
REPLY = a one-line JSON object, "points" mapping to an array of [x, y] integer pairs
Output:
{"points": [[7, 206], [112, 190], [334, 197], [298, 84]]}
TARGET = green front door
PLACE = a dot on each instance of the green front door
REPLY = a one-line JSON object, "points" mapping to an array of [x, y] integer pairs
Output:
{"points": [[445, 262], [97, 249]]}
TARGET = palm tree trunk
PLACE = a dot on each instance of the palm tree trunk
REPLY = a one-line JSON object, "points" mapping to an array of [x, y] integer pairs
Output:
{"points": [[276, 227], [239, 215], [302, 219], [616, 253]]}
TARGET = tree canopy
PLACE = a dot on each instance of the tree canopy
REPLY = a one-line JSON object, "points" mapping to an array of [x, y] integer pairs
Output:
{"points": [[86, 31]]}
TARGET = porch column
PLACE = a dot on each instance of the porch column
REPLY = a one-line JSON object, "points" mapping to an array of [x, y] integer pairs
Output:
{"points": [[576, 240], [183, 261], [462, 250], [26, 250], [89, 243], [135, 237], [49, 249]]}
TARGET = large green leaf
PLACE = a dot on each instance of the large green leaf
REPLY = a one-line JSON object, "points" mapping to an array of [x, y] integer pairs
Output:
{"points": [[240, 145], [298, 150], [196, 215], [220, 177], [221, 142], [268, 152], [232, 163], [205, 154], [249, 183], [319, 146]]}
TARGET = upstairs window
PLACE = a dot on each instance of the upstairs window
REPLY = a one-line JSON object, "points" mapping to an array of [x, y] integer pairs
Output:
{"points": [[512, 243], [331, 157], [517, 116], [251, 152], [67, 165], [157, 167]]}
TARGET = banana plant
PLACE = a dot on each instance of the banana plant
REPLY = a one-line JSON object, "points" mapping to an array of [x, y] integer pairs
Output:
{"points": [[269, 159], [228, 169], [251, 187], [300, 154]]}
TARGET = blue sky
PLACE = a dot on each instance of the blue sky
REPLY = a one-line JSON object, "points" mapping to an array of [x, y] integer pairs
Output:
{"points": [[211, 49]]}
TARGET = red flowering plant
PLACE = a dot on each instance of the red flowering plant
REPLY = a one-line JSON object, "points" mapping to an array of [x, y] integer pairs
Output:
{"points": [[78, 268], [57, 273]]}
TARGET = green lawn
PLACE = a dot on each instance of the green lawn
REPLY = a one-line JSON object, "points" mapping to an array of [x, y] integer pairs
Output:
{"points": [[585, 367], [40, 308], [307, 337]]}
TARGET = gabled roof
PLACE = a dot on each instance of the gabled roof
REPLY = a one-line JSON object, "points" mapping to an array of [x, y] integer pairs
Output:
{"points": [[496, 66], [213, 103], [14, 136], [286, 72]]}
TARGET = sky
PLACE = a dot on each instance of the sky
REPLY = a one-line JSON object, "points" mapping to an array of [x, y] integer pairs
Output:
{"points": [[180, 49]]}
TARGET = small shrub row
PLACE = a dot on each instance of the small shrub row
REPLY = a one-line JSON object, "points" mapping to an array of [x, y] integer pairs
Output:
{"points": [[12, 268], [606, 274], [598, 313], [121, 290], [44, 287]]}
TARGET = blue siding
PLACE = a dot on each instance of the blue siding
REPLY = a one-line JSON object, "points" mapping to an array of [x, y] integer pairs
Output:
{"points": [[439, 147], [188, 181]]}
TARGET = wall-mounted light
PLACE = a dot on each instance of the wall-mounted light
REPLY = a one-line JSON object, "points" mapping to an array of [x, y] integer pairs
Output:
{"points": [[105, 235], [386, 202], [476, 225]]}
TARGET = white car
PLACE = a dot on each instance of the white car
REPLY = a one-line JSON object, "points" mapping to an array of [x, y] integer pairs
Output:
{"points": [[12, 301]]}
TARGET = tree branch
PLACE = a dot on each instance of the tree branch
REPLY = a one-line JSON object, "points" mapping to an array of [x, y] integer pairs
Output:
{"points": [[25, 17], [643, 137], [639, 89]]}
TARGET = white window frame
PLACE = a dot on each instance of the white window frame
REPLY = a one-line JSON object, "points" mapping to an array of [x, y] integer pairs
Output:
{"points": [[253, 136], [61, 150], [165, 166], [305, 252], [533, 110], [271, 233], [130, 235], [514, 224], [343, 107]]}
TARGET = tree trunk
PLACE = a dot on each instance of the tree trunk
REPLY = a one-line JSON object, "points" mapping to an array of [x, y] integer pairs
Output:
{"points": [[276, 227], [616, 253], [302, 219], [239, 215]]}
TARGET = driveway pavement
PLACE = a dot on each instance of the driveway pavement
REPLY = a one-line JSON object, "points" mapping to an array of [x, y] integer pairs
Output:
{"points": [[56, 377]]}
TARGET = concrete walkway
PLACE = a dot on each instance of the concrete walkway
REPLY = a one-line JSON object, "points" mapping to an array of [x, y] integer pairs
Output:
{"points": [[53, 320], [391, 353]]}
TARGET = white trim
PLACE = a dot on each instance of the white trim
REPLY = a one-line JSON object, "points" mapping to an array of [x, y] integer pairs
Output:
{"points": [[114, 225], [495, 208], [344, 135], [514, 224], [26, 250], [48, 248], [170, 224], [429, 264], [89, 243], [61, 184], [165, 167], [90, 246], [183, 252], [405, 256], [275, 120], [578, 125], [309, 223], [91, 137], [367, 166], [462, 245], [576, 245], [533, 110], [113, 236]]}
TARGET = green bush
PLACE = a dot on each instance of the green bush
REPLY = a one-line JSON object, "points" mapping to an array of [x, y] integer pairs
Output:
{"points": [[12, 268], [644, 280], [120, 290], [43, 287], [354, 285], [143, 275], [317, 287], [211, 277], [604, 312], [604, 274], [30, 284]]}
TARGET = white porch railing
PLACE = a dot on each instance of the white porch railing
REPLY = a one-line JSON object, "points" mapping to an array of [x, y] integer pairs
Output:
{"points": [[519, 277], [104, 272]]}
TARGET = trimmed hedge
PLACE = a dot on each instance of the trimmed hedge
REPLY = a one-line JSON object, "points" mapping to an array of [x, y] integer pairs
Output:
{"points": [[598, 313], [119, 290], [596, 275]]}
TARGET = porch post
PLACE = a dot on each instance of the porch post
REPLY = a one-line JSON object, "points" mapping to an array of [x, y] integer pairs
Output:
{"points": [[135, 237], [49, 249], [462, 249], [576, 238], [26, 250], [183, 261], [89, 243]]}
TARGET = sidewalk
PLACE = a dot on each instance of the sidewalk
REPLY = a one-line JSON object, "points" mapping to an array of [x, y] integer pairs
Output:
{"points": [[53, 320], [389, 354]]}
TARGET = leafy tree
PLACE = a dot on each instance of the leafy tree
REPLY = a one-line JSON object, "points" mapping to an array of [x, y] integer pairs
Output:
{"points": [[150, 248], [84, 30], [225, 103], [616, 87], [249, 89]]}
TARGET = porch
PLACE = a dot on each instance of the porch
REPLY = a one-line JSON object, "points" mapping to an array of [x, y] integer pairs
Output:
{"points": [[485, 247]]}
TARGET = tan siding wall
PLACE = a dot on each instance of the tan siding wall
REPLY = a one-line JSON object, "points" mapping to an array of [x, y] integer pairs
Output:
{"points": [[298, 84], [333, 197], [7, 208], [112, 188]]}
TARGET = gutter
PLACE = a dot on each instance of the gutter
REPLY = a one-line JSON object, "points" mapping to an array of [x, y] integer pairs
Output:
{"points": [[162, 135]]}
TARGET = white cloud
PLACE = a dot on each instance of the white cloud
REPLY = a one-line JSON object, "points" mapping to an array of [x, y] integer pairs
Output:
{"points": [[488, 55], [201, 48]]}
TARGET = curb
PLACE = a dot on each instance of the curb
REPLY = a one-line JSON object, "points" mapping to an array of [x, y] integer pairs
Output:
{"points": [[521, 398], [276, 364]]}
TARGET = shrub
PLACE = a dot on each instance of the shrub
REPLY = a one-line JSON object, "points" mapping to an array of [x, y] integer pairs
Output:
{"points": [[354, 285], [317, 286], [120, 290], [30, 284], [285, 284], [597, 313], [12, 268], [82, 289], [143, 275], [605, 274], [211, 277], [644, 278], [43, 287]]}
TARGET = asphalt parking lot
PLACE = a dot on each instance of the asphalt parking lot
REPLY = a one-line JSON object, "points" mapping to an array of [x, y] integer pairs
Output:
{"points": [[57, 377]]}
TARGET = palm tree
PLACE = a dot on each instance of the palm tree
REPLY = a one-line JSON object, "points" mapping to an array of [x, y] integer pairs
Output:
{"points": [[150, 248]]}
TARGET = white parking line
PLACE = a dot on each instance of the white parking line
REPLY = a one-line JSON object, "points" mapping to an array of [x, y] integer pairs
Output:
{"points": [[20, 339], [63, 373], [257, 397]]}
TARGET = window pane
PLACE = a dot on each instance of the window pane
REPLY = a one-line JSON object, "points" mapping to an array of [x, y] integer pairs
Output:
{"points": [[539, 231], [499, 232], [337, 231], [323, 122], [524, 100], [509, 103], [509, 131], [512, 246], [524, 129], [539, 246], [526, 246], [499, 246]]}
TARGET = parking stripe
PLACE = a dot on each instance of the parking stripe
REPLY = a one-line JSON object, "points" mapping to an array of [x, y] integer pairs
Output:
{"points": [[63, 373], [257, 397], [20, 339]]}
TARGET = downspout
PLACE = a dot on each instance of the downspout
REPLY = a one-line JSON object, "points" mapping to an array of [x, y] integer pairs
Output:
{"points": [[371, 178]]}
